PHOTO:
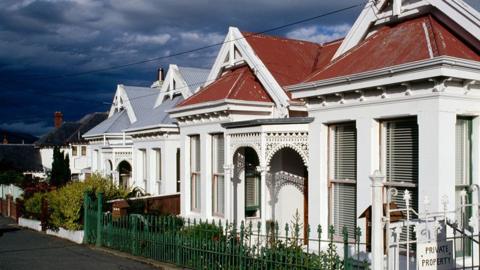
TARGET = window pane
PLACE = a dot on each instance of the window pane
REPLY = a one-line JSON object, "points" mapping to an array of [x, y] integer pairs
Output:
{"points": [[345, 205], [402, 151], [345, 145], [84, 150], [344, 200], [74, 150]]}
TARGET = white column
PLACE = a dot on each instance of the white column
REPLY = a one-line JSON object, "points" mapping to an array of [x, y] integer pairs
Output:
{"points": [[377, 220], [185, 175], [318, 178], [263, 194], [228, 172], [436, 157], [206, 175], [368, 145]]}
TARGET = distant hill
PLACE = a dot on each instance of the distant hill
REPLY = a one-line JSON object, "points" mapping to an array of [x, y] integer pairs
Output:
{"points": [[14, 137]]}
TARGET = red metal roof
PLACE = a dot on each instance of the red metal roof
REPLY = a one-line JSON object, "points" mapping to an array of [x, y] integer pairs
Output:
{"points": [[417, 39], [240, 84], [289, 61]]}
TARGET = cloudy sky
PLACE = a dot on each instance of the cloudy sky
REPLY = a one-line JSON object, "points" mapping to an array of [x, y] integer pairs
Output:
{"points": [[48, 48]]}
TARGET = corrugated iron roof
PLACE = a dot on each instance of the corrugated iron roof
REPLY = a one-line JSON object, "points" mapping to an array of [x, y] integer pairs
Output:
{"points": [[409, 41], [240, 84]]}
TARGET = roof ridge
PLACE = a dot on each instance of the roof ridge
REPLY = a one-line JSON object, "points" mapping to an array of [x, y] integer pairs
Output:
{"points": [[432, 36], [247, 34], [243, 70]]}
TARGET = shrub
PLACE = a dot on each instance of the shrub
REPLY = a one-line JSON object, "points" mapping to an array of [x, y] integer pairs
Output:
{"points": [[66, 203], [204, 231], [33, 205], [97, 183]]}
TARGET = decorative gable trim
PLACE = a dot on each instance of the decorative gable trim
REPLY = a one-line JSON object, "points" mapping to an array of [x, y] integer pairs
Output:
{"points": [[121, 102], [236, 51], [173, 85], [456, 11]]}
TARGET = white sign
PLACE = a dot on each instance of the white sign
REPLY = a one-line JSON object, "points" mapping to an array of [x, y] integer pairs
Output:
{"points": [[435, 255]]}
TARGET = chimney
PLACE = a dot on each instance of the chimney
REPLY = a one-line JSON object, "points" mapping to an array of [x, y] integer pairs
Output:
{"points": [[160, 75], [5, 141], [58, 119]]}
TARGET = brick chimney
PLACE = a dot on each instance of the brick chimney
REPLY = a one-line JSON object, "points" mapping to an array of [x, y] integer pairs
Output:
{"points": [[58, 119]]}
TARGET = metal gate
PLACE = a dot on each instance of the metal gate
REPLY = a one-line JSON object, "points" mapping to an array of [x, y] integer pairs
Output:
{"points": [[433, 240]]}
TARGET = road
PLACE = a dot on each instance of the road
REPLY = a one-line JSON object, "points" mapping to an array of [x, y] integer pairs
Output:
{"points": [[25, 249]]}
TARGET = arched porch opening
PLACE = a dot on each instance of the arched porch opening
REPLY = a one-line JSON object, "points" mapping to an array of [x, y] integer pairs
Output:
{"points": [[246, 184], [287, 185], [124, 170]]}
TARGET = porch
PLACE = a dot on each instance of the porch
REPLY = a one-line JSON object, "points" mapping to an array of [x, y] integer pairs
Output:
{"points": [[266, 170]]}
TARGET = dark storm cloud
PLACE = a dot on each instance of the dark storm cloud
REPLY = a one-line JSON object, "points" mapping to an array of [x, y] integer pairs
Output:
{"points": [[53, 37]]}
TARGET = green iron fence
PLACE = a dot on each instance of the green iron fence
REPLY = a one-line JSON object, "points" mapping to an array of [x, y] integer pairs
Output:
{"points": [[199, 244]]}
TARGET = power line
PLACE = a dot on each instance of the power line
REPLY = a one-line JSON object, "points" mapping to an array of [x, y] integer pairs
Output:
{"points": [[114, 67]]}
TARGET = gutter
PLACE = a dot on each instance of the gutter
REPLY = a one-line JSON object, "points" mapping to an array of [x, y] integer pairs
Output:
{"points": [[389, 71]]}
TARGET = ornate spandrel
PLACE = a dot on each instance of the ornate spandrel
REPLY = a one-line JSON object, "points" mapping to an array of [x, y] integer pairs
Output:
{"points": [[298, 141]]}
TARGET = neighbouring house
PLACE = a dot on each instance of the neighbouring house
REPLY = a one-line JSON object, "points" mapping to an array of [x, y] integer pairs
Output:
{"points": [[23, 158], [68, 137], [138, 145]]}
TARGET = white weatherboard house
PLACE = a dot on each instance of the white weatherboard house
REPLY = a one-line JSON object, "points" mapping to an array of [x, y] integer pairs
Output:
{"points": [[284, 128], [138, 144]]}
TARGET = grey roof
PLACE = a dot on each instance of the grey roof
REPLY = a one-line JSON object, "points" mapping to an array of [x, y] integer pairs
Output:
{"points": [[20, 157], [158, 115], [114, 124], [71, 132], [194, 77], [142, 101]]}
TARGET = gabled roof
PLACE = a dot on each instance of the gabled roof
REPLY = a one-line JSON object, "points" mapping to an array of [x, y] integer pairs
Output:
{"points": [[288, 60], [181, 81], [20, 157], [239, 84], [71, 132], [409, 41], [140, 108], [265, 63]]}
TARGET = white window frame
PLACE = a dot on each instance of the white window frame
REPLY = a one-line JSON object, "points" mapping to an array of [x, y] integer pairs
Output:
{"points": [[195, 173], [158, 169], [144, 166], [333, 181], [74, 151], [218, 177]]}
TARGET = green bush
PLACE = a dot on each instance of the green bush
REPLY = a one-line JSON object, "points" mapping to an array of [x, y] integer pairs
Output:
{"points": [[204, 231], [66, 203], [97, 183], [33, 205]]}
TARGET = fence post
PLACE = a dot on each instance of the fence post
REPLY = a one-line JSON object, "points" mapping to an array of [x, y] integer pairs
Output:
{"points": [[475, 222], [377, 222], [99, 219], [346, 258]]}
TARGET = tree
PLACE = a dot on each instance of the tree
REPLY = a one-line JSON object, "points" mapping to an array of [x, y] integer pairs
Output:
{"points": [[60, 173]]}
